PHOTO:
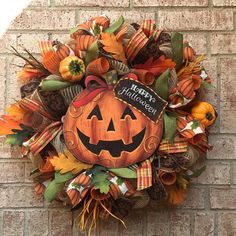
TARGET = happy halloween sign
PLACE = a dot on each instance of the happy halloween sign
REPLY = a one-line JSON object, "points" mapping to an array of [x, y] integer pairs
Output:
{"points": [[141, 97]]}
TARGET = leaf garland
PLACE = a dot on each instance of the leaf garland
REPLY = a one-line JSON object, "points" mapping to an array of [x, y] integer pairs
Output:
{"points": [[113, 46], [67, 162]]}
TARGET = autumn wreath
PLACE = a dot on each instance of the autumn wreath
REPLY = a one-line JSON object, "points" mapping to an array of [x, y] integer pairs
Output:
{"points": [[112, 118]]}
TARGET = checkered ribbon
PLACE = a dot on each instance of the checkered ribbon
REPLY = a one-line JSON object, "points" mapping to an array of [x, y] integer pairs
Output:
{"points": [[144, 175], [179, 145]]}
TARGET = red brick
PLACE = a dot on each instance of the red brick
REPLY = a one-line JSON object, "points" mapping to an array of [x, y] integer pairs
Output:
{"points": [[157, 222], [223, 198], [91, 3], [130, 16], [61, 222], [40, 3], [234, 172], [224, 2], [37, 222], [179, 223], [203, 224], [228, 95], [39, 19], [171, 3], [12, 172], [19, 196], [134, 223], [224, 147], [13, 223], [2, 82], [28, 169], [198, 42], [226, 223], [215, 173], [223, 43], [195, 199], [22, 40], [5, 150], [196, 19], [13, 83], [228, 83], [108, 227]]}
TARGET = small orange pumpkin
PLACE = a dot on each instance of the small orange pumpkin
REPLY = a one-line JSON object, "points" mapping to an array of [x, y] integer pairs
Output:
{"points": [[62, 50], [204, 112], [72, 68], [188, 52]]}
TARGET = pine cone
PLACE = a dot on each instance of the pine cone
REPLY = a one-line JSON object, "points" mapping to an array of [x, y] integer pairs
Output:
{"points": [[151, 49], [164, 38]]}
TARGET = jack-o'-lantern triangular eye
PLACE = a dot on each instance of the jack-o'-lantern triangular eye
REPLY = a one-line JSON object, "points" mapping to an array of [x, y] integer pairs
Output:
{"points": [[95, 112], [128, 112]]}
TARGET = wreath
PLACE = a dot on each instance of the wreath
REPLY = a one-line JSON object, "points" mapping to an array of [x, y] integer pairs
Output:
{"points": [[112, 118]]}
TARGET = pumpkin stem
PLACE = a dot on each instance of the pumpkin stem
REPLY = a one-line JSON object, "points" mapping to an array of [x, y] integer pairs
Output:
{"points": [[75, 67], [209, 116]]}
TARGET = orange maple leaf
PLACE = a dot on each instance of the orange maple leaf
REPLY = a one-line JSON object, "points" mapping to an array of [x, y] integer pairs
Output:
{"points": [[158, 66], [113, 46]]}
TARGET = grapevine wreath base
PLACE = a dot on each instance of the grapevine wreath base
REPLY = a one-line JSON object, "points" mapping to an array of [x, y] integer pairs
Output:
{"points": [[112, 118]]}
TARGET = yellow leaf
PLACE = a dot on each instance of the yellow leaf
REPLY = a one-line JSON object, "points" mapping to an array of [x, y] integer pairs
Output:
{"points": [[66, 162], [113, 46]]}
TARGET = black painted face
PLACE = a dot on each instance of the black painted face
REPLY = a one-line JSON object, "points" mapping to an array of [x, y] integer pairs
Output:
{"points": [[115, 147]]}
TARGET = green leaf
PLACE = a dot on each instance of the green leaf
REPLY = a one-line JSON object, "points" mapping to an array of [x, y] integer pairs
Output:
{"points": [[177, 47], [103, 186], [52, 189], [115, 26], [56, 185], [124, 173], [53, 85], [18, 137], [207, 85], [62, 178], [195, 124], [92, 53], [161, 85], [170, 126], [11, 139]]}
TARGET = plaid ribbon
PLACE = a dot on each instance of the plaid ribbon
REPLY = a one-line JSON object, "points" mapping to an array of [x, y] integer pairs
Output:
{"points": [[34, 105], [178, 146], [144, 175], [36, 143]]}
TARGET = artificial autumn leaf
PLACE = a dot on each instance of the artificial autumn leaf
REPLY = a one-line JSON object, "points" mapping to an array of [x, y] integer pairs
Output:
{"points": [[67, 162], [158, 66], [175, 195], [7, 124], [15, 111], [113, 46]]}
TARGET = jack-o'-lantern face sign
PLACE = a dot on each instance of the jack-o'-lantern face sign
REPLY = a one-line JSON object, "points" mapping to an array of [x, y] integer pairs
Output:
{"points": [[108, 132]]}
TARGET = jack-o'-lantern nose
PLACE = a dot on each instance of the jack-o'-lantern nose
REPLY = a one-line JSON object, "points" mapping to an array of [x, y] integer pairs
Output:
{"points": [[111, 126]]}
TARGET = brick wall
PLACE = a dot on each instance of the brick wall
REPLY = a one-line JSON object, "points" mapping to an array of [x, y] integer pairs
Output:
{"points": [[210, 208]]}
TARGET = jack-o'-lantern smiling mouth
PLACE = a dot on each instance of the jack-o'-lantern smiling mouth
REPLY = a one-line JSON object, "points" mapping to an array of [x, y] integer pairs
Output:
{"points": [[115, 147]]}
